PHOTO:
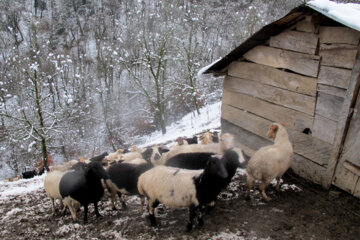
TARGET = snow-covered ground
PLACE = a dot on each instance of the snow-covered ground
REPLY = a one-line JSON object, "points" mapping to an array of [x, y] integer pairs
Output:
{"points": [[188, 126]]}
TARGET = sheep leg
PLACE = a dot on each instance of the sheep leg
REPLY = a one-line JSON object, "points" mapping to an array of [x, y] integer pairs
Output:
{"points": [[250, 184], [122, 199], [142, 200], [85, 213], [67, 203], [61, 204], [262, 188], [152, 204], [53, 205], [200, 217], [278, 184], [113, 199], [192, 213], [96, 210]]}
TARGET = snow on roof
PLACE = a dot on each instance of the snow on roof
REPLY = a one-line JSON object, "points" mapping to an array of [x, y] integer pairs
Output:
{"points": [[204, 69], [345, 13]]}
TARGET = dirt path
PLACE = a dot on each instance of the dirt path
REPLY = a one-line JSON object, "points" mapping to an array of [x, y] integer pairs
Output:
{"points": [[300, 211]]}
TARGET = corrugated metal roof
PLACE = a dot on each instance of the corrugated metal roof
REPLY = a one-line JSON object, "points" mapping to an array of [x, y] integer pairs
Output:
{"points": [[267, 31]]}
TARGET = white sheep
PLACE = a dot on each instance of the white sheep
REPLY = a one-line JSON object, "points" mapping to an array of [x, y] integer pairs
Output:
{"points": [[175, 187], [51, 185], [270, 162]]}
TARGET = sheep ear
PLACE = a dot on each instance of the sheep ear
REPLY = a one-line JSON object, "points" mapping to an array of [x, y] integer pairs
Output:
{"points": [[120, 151]]}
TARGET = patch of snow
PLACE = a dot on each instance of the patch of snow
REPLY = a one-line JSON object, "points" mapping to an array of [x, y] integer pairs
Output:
{"points": [[190, 125], [293, 187], [347, 13], [21, 186]]}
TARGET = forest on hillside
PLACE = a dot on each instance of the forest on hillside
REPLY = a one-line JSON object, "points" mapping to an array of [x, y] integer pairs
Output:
{"points": [[79, 77]]}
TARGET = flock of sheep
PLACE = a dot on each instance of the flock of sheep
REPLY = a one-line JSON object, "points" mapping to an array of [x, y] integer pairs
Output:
{"points": [[188, 174]]}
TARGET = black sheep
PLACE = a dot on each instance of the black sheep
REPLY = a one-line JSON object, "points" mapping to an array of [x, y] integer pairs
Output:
{"points": [[99, 158], [193, 161], [199, 160], [84, 186], [29, 174], [125, 177], [193, 140]]}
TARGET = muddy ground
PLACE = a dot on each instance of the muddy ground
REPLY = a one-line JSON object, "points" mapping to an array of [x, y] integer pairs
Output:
{"points": [[300, 211]]}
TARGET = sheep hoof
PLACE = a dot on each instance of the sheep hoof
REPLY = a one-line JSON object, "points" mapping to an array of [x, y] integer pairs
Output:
{"points": [[114, 209], [124, 206], [267, 199], [152, 220], [189, 227], [200, 222]]}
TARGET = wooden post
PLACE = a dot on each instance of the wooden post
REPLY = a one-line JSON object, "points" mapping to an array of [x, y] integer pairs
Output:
{"points": [[344, 121]]}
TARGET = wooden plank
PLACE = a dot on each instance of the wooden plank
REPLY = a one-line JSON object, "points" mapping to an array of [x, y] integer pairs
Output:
{"points": [[357, 189], [337, 56], [324, 46], [268, 110], [339, 92], [301, 166], [328, 106], [345, 179], [339, 35], [344, 121], [308, 169], [274, 77], [307, 26], [297, 62], [324, 129], [351, 167], [351, 147], [296, 101], [295, 41], [303, 144], [336, 77]]}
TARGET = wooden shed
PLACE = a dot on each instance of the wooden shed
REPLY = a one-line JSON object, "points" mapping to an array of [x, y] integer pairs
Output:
{"points": [[302, 70]]}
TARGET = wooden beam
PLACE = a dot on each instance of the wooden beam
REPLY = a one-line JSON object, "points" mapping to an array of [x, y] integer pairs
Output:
{"points": [[344, 121], [339, 35], [274, 77], [293, 100], [270, 111], [303, 144], [295, 41], [297, 62]]}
